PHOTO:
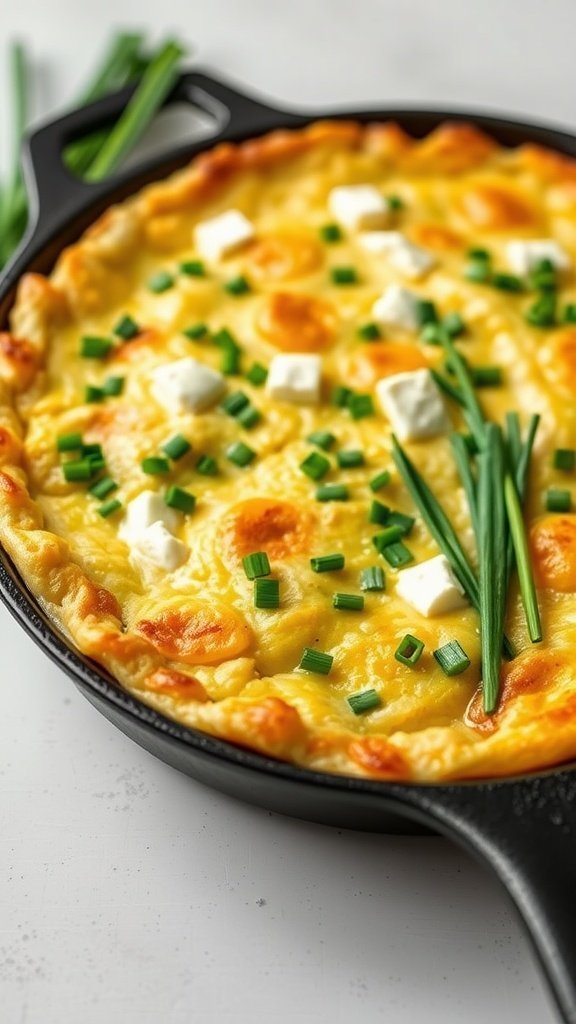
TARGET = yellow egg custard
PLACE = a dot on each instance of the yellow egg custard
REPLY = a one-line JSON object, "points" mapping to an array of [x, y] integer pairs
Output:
{"points": [[199, 479]]}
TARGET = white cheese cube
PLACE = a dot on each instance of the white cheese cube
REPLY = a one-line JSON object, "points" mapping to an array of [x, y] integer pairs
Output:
{"points": [[413, 404], [147, 508], [524, 256], [397, 307], [186, 385], [295, 378], [223, 235], [431, 587], [411, 260], [358, 207], [380, 241], [158, 546]]}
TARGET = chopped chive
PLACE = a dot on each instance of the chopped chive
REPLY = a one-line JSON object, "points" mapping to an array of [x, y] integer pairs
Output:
{"points": [[564, 458], [544, 277], [401, 520], [369, 332], [507, 282], [316, 661], [373, 578], [93, 394], [379, 513], [155, 465], [409, 650], [332, 492], [350, 459], [80, 469], [386, 537], [256, 564], [240, 454], [327, 563], [478, 266], [486, 376], [109, 507], [478, 254], [432, 334], [344, 275], [558, 500], [257, 374], [397, 555], [177, 447], [569, 314], [95, 348], [178, 498], [395, 202], [452, 659], [160, 282], [330, 233], [340, 396], [542, 313], [454, 324], [113, 386], [92, 451], [322, 439], [103, 487], [348, 602], [266, 593], [315, 466], [69, 442], [235, 402], [207, 466], [360, 406], [193, 268], [97, 464], [447, 387], [196, 331], [364, 701], [380, 480], [237, 285], [126, 328], [230, 361], [249, 417], [225, 338], [426, 312]]}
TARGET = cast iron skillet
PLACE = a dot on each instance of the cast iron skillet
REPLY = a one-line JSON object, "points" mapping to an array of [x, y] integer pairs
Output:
{"points": [[523, 828]]}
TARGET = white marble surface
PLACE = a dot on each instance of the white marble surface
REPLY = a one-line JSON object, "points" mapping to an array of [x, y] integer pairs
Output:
{"points": [[130, 894]]}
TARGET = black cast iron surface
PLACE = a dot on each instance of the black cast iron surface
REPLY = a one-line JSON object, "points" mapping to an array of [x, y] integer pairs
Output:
{"points": [[523, 828]]}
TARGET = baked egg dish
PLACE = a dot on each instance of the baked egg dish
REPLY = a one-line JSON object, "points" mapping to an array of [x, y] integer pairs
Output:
{"points": [[288, 447]]}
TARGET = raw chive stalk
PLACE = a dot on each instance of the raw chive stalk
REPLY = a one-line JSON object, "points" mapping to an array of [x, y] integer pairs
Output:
{"points": [[373, 578], [409, 650], [397, 555], [126, 328], [193, 268], [240, 454], [452, 659], [366, 700], [69, 442], [266, 593], [432, 334], [564, 459], [316, 661], [327, 563], [322, 439], [447, 387], [102, 488], [177, 497], [458, 366], [95, 348], [155, 465], [13, 199], [558, 500], [380, 481], [315, 466], [113, 386], [492, 552], [523, 560], [207, 466], [257, 374], [462, 460], [196, 331], [160, 282], [109, 507], [257, 564], [332, 492], [350, 459], [348, 602]]}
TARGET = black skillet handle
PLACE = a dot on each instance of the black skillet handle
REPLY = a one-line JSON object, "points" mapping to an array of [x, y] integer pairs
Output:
{"points": [[526, 831]]}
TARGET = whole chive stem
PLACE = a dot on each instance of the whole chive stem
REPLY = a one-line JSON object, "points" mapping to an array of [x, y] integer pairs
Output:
{"points": [[475, 416], [462, 458], [523, 560], [492, 543]]}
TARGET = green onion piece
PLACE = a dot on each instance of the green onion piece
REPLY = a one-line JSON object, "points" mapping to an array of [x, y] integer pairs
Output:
{"points": [[360, 406], [387, 537], [257, 374], [404, 522], [507, 282], [193, 268], [154, 465], [350, 459], [256, 564], [486, 376], [373, 578], [126, 328], [178, 498], [409, 650], [235, 402], [322, 439], [80, 469], [207, 466], [266, 593], [332, 492], [369, 332], [449, 389], [249, 417], [478, 267], [397, 555], [93, 394], [315, 466], [92, 451], [230, 361], [542, 313], [348, 602], [344, 275], [454, 324], [69, 442], [426, 312], [432, 334], [316, 661], [196, 331], [109, 507], [327, 563], [452, 659], [395, 203], [478, 254], [237, 285], [380, 481], [160, 282], [379, 513], [176, 447], [156, 83], [225, 338], [240, 454], [340, 396], [330, 233], [364, 701], [95, 348], [96, 463], [569, 314], [113, 386], [565, 459], [558, 500], [544, 277], [103, 487]]}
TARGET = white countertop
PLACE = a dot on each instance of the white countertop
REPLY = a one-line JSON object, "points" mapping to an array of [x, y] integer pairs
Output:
{"points": [[129, 893]]}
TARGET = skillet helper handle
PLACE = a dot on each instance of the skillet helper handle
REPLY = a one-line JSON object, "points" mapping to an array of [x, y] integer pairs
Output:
{"points": [[526, 831]]}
